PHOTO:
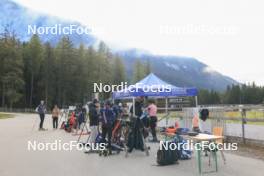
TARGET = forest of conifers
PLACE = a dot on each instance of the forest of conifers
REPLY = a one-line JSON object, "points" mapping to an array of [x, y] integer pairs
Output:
{"points": [[64, 75]]}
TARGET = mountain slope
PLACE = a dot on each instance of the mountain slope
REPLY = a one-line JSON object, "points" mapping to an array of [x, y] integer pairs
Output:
{"points": [[18, 18], [180, 71]]}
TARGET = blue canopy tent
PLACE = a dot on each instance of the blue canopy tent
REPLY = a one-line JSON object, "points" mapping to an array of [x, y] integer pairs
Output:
{"points": [[159, 88]]}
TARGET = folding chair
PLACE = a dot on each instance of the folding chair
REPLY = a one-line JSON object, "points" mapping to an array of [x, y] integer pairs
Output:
{"points": [[218, 131]]}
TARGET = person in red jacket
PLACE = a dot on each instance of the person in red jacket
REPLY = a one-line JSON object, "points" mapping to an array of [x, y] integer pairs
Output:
{"points": [[72, 120]]}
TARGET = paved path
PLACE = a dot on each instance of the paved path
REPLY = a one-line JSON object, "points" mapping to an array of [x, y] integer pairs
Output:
{"points": [[15, 159]]}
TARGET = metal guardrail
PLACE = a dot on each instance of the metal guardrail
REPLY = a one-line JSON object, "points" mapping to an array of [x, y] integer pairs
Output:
{"points": [[239, 119], [245, 122]]}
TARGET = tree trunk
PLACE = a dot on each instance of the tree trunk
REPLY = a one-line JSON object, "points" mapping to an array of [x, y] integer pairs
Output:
{"points": [[11, 106], [3, 94], [46, 93], [31, 90]]}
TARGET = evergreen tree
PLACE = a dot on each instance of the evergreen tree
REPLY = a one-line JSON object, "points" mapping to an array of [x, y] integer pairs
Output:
{"points": [[119, 74], [11, 77], [139, 71], [92, 68], [67, 84], [203, 97], [48, 71], [148, 67], [104, 67], [62, 74], [33, 59]]}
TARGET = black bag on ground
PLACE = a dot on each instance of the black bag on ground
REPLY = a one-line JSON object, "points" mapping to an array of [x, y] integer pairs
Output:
{"points": [[167, 157], [135, 136]]}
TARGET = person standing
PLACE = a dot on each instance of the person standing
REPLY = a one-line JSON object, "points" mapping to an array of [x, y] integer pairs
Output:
{"points": [[125, 110], [93, 120], [55, 116], [136, 134], [81, 118], [41, 109], [152, 111], [117, 108], [108, 118], [138, 107], [195, 123]]}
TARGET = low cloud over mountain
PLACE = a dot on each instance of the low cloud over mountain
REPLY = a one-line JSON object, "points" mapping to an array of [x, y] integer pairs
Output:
{"points": [[180, 71]]}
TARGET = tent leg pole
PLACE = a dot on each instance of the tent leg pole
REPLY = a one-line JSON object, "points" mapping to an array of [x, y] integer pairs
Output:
{"points": [[196, 101], [133, 106], [166, 110]]}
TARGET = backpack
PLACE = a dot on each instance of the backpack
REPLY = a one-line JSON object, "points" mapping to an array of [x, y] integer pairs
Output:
{"points": [[135, 136], [167, 157], [62, 125], [67, 127], [183, 154]]}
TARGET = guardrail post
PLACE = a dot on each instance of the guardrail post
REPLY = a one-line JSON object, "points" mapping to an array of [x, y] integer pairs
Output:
{"points": [[243, 113]]}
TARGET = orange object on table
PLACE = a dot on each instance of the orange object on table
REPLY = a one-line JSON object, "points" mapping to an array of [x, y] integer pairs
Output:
{"points": [[171, 130]]}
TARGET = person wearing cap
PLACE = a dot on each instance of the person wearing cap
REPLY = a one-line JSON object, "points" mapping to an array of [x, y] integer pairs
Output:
{"points": [[41, 110], [93, 120]]}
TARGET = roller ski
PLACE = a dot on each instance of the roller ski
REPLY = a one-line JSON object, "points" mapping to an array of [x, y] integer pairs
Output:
{"points": [[105, 152]]}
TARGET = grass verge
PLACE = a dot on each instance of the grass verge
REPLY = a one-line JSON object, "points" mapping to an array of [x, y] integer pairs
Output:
{"points": [[6, 116]]}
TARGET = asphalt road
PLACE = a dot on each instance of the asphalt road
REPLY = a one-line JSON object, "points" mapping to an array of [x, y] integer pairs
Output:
{"points": [[16, 159]]}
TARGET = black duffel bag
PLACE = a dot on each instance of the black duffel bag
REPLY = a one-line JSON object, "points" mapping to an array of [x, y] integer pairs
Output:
{"points": [[167, 157]]}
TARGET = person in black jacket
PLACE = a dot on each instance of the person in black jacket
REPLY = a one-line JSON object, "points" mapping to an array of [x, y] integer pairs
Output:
{"points": [[135, 140], [81, 117], [94, 120], [138, 107], [108, 118]]}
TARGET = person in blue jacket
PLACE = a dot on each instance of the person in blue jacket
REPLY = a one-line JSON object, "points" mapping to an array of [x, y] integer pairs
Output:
{"points": [[108, 119], [118, 110]]}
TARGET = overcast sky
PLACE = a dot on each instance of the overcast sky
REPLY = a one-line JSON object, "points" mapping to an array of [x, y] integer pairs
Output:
{"points": [[227, 35]]}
